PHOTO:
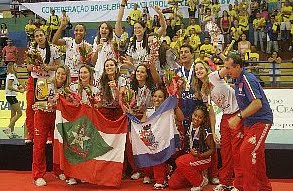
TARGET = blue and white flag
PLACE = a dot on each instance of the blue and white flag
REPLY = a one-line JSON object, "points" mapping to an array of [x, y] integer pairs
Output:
{"points": [[155, 141]]}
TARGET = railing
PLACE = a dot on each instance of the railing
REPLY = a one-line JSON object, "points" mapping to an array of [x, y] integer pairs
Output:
{"points": [[261, 69]]}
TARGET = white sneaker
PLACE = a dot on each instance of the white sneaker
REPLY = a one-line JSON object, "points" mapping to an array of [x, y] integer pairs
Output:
{"points": [[49, 142], [71, 181], [146, 180], [15, 136], [27, 141], [205, 182], [135, 176], [7, 131], [158, 186], [62, 176], [215, 180], [220, 187], [232, 188], [40, 182]]}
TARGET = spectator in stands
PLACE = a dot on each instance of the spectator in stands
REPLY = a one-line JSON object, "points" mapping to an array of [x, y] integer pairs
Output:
{"points": [[273, 5], [243, 22], [232, 13], [243, 45], [286, 12], [272, 29], [192, 4], [37, 23], [207, 47], [236, 31], [194, 40], [274, 68], [3, 35], [258, 26], [176, 17], [215, 8], [53, 22], [9, 53], [44, 27], [134, 16], [169, 30], [225, 25], [192, 24], [207, 18], [29, 29]]}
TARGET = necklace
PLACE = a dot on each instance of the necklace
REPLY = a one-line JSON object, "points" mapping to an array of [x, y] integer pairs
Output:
{"points": [[187, 79]]}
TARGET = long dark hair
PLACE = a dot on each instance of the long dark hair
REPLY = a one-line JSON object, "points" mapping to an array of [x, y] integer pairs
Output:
{"points": [[109, 37], [149, 80], [47, 46], [202, 129], [162, 55], [105, 79], [144, 39]]}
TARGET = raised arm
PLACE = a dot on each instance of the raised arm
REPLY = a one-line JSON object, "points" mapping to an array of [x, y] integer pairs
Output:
{"points": [[163, 27], [57, 40], [118, 24]]}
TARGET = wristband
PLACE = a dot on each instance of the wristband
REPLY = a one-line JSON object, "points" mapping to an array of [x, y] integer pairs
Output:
{"points": [[122, 5]]}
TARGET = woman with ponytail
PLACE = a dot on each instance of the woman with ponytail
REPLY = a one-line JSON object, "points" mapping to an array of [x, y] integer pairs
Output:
{"points": [[48, 61], [212, 87], [40, 98]]}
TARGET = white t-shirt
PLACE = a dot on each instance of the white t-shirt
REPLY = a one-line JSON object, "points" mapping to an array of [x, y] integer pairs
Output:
{"points": [[72, 59], [220, 41], [137, 55], [84, 96], [54, 55], [105, 53], [222, 94], [14, 84]]}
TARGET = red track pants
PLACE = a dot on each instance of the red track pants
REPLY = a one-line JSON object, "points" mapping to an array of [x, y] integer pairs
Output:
{"points": [[44, 123], [189, 171], [231, 140], [30, 95], [252, 158], [159, 172]]}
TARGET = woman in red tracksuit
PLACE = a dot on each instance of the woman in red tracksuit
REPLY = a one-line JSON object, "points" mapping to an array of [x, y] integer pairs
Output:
{"points": [[191, 167], [41, 97], [51, 58]]}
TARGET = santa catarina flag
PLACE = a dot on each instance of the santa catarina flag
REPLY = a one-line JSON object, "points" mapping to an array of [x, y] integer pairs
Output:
{"points": [[87, 146], [155, 141]]}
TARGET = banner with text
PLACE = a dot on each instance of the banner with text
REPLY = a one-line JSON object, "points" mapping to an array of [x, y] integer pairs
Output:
{"points": [[102, 10], [281, 103]]}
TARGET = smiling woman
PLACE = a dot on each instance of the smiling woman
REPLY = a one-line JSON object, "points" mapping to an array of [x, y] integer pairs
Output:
{"points": [[111, 86]]}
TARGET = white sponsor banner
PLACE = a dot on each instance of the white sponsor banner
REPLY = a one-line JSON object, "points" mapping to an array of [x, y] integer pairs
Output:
{"points": [[281, 103], [102, 10]]}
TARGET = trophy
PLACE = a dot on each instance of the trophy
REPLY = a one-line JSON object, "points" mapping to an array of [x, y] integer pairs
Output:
{"points": [[41, 93]]}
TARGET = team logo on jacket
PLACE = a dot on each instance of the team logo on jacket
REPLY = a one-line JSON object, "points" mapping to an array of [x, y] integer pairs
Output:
{"points": [[147, 136]]}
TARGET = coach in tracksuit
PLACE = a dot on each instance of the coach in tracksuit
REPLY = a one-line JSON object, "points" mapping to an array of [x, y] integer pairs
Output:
{"points": [[258, 118]]}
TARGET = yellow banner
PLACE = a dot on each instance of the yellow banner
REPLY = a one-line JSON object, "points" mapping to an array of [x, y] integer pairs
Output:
{"points": [[5, 109]]}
